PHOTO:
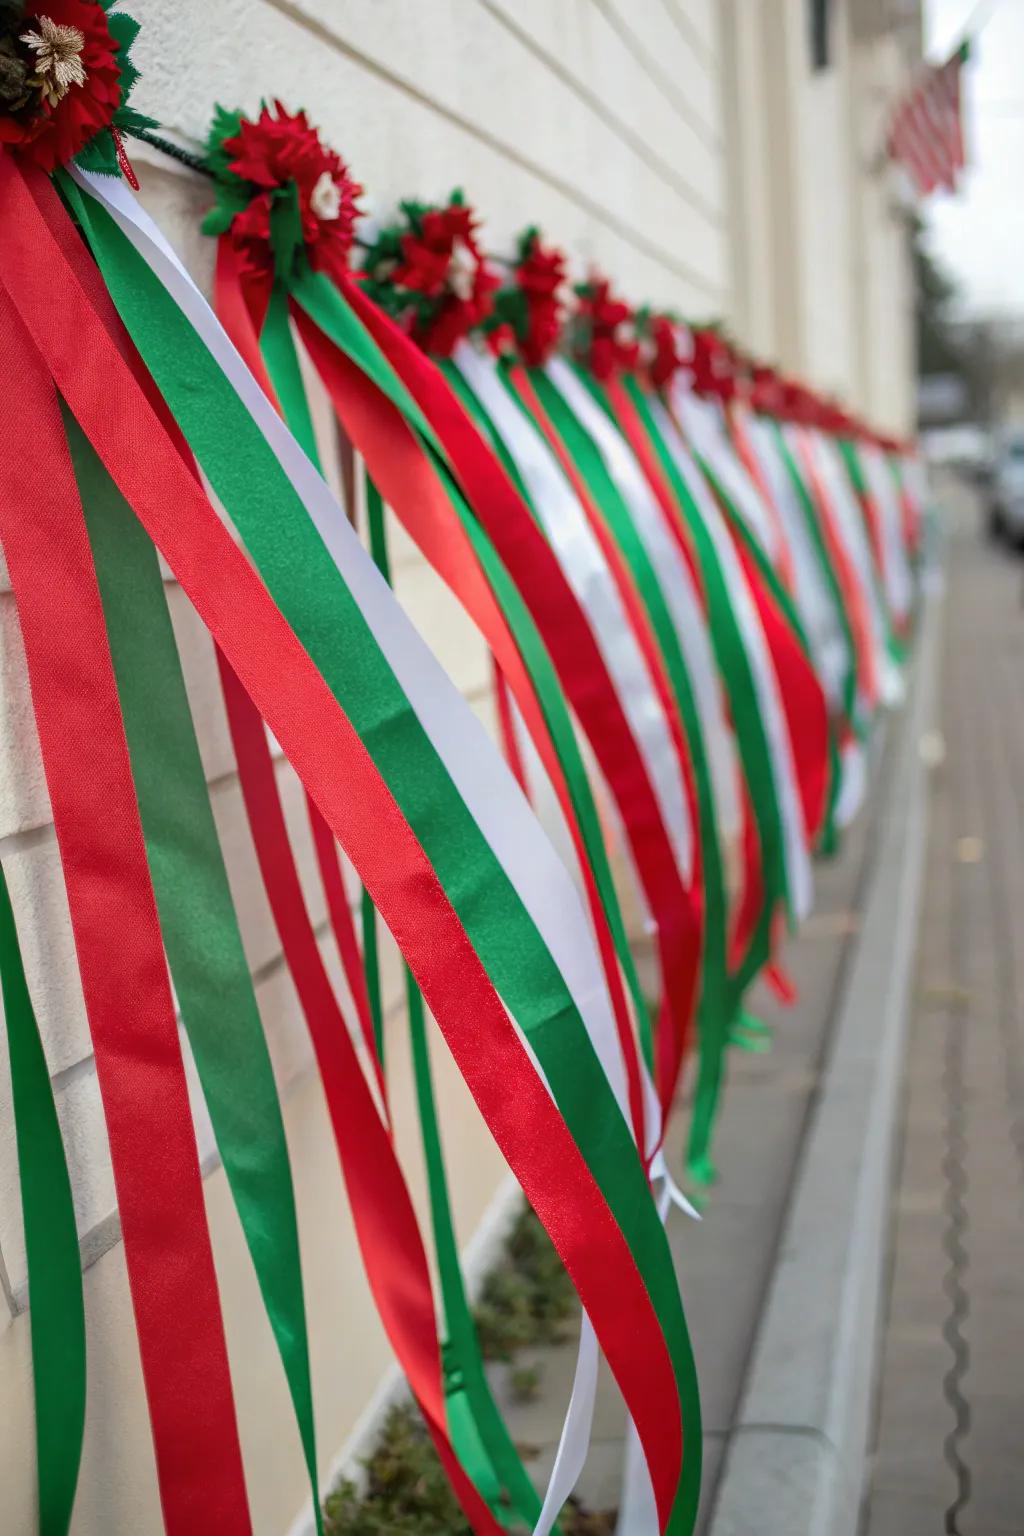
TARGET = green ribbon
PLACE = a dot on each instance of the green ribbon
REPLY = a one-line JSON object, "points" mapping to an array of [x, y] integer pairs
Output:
{"points": [[558, 720], [197, 916], [304, 583], [716, 1003], [328, 310], [57, 1310], [817, 537], [735, 669], [751, 1034], [479, 1434]]}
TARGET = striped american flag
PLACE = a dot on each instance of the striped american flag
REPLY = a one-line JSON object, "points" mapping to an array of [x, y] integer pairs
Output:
{"points": [[926, 134]]}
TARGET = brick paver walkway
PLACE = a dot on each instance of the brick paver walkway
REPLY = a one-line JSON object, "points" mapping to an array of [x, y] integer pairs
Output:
{"points": [[949, 1453]]}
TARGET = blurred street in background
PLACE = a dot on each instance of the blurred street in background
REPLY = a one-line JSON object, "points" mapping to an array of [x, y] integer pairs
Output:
{"points": [[951, 1404]]}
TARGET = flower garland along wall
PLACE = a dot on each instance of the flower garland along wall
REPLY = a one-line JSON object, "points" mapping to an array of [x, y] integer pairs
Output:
{"points": [[699, 568]]}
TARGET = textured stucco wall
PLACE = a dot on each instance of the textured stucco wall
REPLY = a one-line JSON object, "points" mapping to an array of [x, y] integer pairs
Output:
{"points": [[599, 119]]}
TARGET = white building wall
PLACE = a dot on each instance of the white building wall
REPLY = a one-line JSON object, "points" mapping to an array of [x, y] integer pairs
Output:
{"points": [[819, 240], [883, 282]]}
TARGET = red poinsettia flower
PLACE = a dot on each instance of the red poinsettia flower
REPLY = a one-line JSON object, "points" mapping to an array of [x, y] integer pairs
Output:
{"points": [[663, 353], [767, 391], [279, 149], [714, 365], [71, 80], [442, 260], [606, 331], [501, 340], [541, 276]]}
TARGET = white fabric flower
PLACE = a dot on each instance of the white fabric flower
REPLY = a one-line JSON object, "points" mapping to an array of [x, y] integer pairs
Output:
{"points": [[325, 198]]}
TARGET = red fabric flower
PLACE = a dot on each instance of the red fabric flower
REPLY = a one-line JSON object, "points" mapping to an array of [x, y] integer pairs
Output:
{"points": [[501, 340], [767, 392], [541, 277], [442, 260], [663, 353], [52, 135], [274, 151], [605, 326], [714, 370]]}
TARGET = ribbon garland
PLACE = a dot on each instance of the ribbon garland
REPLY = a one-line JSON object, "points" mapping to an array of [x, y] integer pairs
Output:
{"points": [[478, 1432], [702, 567], [198, 921], [589, 1093], [127, 994]]}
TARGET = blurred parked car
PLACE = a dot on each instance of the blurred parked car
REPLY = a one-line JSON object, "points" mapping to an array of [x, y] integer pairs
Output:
{"points": [[967, 448], [1006, 491]]}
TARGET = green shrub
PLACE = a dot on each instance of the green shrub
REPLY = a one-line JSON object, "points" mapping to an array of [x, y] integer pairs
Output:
{"points": [[527, 1299]]}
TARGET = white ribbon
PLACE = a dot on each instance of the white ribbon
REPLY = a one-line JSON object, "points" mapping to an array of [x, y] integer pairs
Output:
{"points": [[853, 782], [850, 528], [899, 585], [586, 570], [472, 761], [704, 425], [813, 595], [799, 878], [684, 605]]}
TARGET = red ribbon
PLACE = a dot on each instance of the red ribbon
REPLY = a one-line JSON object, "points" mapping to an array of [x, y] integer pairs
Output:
{"points": [[343, 928], [507, 727], [853, 593], [337, 771], [803, 700], [406, 480], [120, 952], [534, 568], [385, 1222], [680, 1001]]}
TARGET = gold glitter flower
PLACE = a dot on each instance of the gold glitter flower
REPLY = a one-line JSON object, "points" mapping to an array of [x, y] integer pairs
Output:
{"points": [[58, 65]]}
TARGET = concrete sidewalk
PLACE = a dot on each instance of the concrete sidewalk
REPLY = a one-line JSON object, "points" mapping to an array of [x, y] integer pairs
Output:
{"points": [[949, 1452], [726, 1261], [856, 1291], [784, 1280]]}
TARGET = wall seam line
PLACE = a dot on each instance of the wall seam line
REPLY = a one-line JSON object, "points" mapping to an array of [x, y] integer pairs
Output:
{"points": [[638, 49], [686, 29], [668, 173], [571, 193]]}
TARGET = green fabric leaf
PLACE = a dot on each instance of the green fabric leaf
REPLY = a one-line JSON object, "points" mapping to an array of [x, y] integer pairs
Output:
{"points": [[286, 238], [100, 155]]}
